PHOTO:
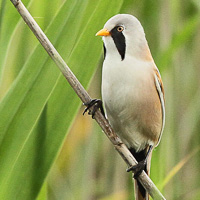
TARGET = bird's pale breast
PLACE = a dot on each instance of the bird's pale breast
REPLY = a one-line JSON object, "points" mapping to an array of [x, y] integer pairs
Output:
{"points": [[131, 101]]}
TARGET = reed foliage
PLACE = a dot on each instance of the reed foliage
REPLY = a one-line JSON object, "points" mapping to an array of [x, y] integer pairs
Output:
{"points": [[48, 150]]}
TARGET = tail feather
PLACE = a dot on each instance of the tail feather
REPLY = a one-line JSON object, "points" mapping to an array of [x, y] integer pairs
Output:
{"points": [[140, 192]]}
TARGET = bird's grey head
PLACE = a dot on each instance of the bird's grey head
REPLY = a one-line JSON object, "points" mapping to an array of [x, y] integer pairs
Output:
{"points": [[123, 34]]}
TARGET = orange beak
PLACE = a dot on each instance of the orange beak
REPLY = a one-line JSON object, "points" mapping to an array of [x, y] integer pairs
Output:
{"points": [[103, 32]]}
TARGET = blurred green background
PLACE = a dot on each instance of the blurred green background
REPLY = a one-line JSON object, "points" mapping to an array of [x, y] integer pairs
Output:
{"points": [[48, 150]]}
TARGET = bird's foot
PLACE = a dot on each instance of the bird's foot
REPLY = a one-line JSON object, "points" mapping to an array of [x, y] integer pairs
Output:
{"points": [[137, 169], [93, 106]]}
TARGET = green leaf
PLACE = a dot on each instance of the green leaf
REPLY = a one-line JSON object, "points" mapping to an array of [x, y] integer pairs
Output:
{"points": [[33, 131], [8, 23]]}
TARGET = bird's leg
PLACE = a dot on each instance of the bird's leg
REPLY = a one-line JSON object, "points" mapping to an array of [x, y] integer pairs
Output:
{"points": [[96, 104], [137, 169]]}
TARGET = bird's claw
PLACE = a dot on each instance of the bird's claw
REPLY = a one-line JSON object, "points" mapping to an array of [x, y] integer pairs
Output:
{"points": [[137, 169], [96, 104]]}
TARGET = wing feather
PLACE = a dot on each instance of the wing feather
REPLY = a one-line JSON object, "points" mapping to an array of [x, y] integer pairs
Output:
{"points": [[160, 90]]}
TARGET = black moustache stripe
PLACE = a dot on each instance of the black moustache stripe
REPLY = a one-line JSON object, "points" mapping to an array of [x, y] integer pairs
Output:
{"points": [[119, 41], [104, 48]]}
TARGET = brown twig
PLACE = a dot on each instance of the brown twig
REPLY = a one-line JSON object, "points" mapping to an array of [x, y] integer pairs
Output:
{"points": [[85, 98]]}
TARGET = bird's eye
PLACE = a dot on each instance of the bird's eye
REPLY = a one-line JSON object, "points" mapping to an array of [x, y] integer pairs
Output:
{"points": [[120, 28]]}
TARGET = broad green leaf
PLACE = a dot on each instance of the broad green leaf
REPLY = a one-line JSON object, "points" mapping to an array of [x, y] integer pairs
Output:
{"points": [[28, 151], [7, 16], [12, 41]]}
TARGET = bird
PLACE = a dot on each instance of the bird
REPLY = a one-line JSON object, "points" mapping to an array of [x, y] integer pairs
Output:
{"points": [[132, 91]]}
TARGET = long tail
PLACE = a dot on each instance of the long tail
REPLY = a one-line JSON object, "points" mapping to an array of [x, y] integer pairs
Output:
{"points": [[140, 192]]}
